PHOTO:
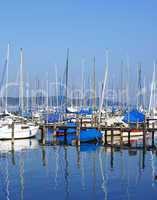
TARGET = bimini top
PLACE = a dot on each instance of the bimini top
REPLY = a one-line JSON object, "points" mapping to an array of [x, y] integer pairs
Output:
{"points": [[134, 116]]}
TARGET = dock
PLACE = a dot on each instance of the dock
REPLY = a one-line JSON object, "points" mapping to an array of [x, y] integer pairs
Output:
{"points": [[112, 135]]}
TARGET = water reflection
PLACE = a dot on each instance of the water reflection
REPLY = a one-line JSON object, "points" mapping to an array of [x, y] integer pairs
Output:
{"points": [[80, 172], [19, 145], [7, 182]]}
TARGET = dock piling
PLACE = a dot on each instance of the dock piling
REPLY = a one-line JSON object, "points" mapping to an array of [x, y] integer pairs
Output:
{"points": [[12, 135], [112, 135], [121, 138], [105, 137], [129, 143], [78, 136]]}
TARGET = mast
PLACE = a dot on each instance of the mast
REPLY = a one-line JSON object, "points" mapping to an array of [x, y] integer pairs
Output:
{"points": [[151, 102], [128, 89], [83, 86], [66, 79], [21, 82], [82, 92], [94, 85], [56, 86], [122, 87], [144, 92], [139, 97], [27, 95], [47, 95], [104, 85], [7, 71]]}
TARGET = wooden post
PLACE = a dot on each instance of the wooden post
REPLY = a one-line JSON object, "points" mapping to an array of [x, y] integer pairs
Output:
{"points": [[112, 137], [129, 138], [94, 120], [92, 124], [81, 121], [54, 127], [78, 136], [106, 137], [121, 138], [147, 123], [12, 135], [54, 130]]}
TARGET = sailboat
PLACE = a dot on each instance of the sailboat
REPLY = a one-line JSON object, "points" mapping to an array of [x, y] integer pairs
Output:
{"points": [[12, 126], [152, 112]]}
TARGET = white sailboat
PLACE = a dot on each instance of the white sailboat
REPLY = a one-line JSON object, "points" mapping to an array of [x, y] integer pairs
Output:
{"points": [[12, 126], [19, 126], [152, 112]]}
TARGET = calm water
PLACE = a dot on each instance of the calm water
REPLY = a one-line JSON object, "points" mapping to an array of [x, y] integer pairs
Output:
{"points": [[67, 172]]}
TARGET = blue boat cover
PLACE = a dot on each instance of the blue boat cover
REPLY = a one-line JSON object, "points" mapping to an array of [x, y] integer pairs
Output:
{"points": [[134, 116], [86, 111], [88, 135], [71, 130]]}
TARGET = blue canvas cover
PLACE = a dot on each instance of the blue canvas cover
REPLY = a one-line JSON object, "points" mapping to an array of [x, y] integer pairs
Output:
{"points": [[88, 135], [134, 116], [86, 111]]}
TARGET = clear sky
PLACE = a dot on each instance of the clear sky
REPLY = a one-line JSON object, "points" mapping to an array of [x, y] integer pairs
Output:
{"points": [[45, 28]]}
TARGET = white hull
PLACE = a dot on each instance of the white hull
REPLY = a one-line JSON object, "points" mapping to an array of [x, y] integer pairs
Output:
{"points": [[19, 133]]}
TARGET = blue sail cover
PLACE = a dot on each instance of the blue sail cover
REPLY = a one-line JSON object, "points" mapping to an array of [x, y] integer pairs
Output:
{"points": [[134, 116], [86, 111]]}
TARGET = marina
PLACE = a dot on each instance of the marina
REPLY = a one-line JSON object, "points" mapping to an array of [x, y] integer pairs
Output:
{"points": [[76, 145], [78, 100], [88, 147]]}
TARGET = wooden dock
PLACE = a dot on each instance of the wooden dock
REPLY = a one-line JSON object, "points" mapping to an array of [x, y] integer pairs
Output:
{"points": [[110, 133]]}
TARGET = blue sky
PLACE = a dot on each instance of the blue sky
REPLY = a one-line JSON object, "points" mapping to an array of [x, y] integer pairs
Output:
{"points": [[45, 28]]}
